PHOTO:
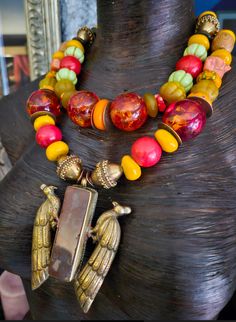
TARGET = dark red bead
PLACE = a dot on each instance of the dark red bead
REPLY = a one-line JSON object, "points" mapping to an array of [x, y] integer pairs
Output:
{"points": [[43, 100], [128, 112], [80, 107], [48, 134], [190, 64], [71, 63]]}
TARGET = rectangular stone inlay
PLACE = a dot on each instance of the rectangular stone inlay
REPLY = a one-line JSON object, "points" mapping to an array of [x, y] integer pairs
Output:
{"points": [[71, 236]]}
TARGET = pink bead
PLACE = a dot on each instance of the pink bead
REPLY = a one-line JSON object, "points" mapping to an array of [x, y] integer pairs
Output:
{"points": [[71, 63], [146, 151], [48, 134]]}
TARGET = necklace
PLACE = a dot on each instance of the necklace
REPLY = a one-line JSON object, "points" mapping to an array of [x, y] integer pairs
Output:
{"points": [[183, 119]]}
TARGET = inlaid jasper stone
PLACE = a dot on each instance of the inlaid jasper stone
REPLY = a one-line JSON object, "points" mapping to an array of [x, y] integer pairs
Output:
{"points": [[72, 233]]}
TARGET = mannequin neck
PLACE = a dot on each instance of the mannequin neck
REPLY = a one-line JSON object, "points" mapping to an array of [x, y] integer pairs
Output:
{"points": [[138, 43]]}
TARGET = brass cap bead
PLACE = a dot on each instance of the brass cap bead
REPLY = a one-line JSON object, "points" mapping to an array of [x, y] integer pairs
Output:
{"points": [[86, 35], [69, 168], [208, 24], [106, 174]]}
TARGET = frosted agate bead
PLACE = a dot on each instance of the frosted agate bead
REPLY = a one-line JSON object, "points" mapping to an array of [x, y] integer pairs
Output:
{"points": [[185, 79], [196, 50]]}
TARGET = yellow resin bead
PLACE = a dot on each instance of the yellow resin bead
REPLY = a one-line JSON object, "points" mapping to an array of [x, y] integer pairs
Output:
{"points": [[75, 43], [43, 120], [48, 83], [58, 54], [131, 169], [199, 39], [223, 54], [56, 150], [166, 140]]}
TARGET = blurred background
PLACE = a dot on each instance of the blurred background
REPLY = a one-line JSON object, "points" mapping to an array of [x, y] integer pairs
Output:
{"points": [[16, 70]]}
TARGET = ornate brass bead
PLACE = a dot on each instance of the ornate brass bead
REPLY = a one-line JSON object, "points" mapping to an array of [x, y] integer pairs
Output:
{"points": [[106, 174], [86, 35], [208, 25], [69, 168]]}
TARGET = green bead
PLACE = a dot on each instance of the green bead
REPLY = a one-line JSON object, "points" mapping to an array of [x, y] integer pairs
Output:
{"points": [[76, 52], [196, 50], [151, 104], [185, 79], [65, 73]]}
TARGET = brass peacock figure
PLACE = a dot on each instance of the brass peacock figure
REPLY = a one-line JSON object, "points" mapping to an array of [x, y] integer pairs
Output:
{"points": [[46, 219]]}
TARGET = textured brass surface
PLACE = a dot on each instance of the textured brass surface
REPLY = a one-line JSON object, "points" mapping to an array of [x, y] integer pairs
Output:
{"points": [[107, 234], [86, 35], [106, 174], [208, 24], [46, 219], [69, 168]]}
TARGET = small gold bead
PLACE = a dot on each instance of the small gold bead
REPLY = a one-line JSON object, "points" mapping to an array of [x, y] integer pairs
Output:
{"points": [[86, 35], [106, 174]]}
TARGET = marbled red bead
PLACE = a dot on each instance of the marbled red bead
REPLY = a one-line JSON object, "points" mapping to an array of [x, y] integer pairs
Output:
{"points": [[190, 64], [128, 112], [43, 100], [187, 118], [71, 63], [146, 151], [80, 107], [48, 134]]}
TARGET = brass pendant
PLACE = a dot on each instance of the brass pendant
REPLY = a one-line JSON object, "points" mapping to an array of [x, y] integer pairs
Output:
{"points": [[64, 260]]}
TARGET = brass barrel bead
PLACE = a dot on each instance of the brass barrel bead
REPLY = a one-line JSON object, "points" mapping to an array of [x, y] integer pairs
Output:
{"points": [[106, 174]]}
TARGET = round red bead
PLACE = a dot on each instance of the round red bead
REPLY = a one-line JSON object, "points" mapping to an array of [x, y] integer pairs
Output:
{"points": [[48, 134], [43, 100], [80, 107], [160, 103], [190, 64], [187, 118], [146, 151], [128, 112], [71, 63]]}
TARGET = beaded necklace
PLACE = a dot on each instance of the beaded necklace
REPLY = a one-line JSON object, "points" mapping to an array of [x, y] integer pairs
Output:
{"points": [[186, 107]]}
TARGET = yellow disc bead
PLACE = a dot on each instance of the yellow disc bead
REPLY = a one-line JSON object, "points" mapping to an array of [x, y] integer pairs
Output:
{"points": [[75, 43], [42, 121], [56, 150], [200, 40], [223, 54], [166, 140], [131, 169], [58, 54]]}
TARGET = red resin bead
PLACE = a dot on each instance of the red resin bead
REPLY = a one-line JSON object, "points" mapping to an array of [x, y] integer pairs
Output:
{"points": [[190, 64], [48, 134], [146, 151], [128, 112], [43, 100], [71, 63], [187, 118], [160, 103], [80, 107]]}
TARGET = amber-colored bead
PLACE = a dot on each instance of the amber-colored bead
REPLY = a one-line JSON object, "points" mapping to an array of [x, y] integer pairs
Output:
{"points": [[166, 140], [208, 87], [58, 54], [225, 39], [151, 104], [48, 83], [132, 170], [199, 39], [223, 54], [98, 114], [62, 86], [172, 92], [56, 150], [65, 97], [210, 75]]}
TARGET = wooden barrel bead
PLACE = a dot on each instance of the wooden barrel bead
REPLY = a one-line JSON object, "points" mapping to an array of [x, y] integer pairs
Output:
{"points": [[151, 104], [166, 140]]}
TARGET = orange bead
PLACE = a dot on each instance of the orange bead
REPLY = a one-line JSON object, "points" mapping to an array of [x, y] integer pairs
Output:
{"points": [[223, 54], [211, 75], [98, 113], [58, 54], [75, 43]]}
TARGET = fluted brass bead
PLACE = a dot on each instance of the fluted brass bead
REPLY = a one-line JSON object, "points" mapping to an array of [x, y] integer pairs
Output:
{"points": [[106, 174], [69, 168], [208, 25], [86, 35]]}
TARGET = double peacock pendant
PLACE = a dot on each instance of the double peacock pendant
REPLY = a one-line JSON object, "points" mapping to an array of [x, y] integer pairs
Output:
{"points": [[63, 258]]}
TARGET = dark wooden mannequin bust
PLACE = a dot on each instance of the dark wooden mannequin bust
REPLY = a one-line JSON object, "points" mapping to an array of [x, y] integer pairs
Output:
{"points": [[177, 257]]}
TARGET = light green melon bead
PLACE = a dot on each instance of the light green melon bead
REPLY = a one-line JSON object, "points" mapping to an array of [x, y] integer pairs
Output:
{"points": [[196, 50], [185, 79], [76, 52], [65, 73]]}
